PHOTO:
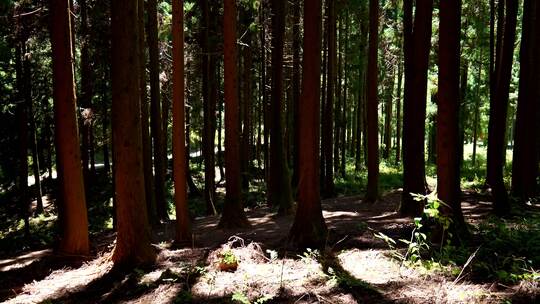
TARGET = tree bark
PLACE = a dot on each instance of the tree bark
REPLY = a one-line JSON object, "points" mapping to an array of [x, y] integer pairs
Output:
{"points": [[296, 90], [448, 176], [22, 126], [279, 182], [372, 193], [309, 229], [417, 43], [148, 169], [233, 211], [74, 221], [183, 227], [524, 170], [498, 112], [133, 234], [328, 117], [398, 113], [209, 112], [156, 113]]}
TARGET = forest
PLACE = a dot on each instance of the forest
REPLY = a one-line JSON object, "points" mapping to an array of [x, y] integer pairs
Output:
{"points": [[269, 151]]}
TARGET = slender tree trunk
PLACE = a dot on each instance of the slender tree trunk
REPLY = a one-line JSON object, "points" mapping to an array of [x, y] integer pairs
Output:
{"points": [[22, 126], [463, 117], [148, 169], [388, 116], [233, 211], [338, 108], [247, 55], [498, 112], [296, 90], [86, 95], [105, 125], [156, 113], [524, 172], [328, 117], [372, 193], [279, 183], [417, 44], [133, 234], [209, 112], [448, 181], [309, 229], [73, 218], [324, 88], [398, 113], [183, 227]]}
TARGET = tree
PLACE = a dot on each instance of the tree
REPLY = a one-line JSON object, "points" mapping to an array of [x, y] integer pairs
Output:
{"points": [[499, 110], [279, 180], [149, 188], [309, 229], [328, 120], [74, 221], [417, 43], [209, 91], [155, 107], [22, 125], [233, 212], [183, 229], [296, 88], [133, 234], [524, 172], [86, 94], [448, 162], [372, 193]]}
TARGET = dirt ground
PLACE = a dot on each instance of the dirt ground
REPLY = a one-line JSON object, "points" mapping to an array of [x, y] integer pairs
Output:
{"points": [[355, 268]]}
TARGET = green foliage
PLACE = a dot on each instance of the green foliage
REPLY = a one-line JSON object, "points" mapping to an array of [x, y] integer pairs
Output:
{"points": [[228, 258]]}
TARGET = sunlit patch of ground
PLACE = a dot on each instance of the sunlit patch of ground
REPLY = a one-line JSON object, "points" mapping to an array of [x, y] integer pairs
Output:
{"points": [[402, 284], [61, 282]]}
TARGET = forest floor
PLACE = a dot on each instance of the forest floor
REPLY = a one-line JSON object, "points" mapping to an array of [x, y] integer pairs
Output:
{"points": [[355, 267]]}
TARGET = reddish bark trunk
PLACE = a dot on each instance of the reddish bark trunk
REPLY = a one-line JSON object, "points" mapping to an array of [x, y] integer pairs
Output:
{"points": [[233, 211], [183, 228], [309, 229], [74, 221], [133, 234]]}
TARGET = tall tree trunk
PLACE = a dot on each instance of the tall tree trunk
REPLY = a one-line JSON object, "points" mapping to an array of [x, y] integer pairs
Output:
{"points": [[498, 112], [417, 43], [209, 112], [133, 234], [372, 193], [448, 181], [105, 125], [22, 126], [309, 229], [279, 183], [233, 211], [87, 92], [73, 218], [524, 170], [345, 112], [247, 103], [156, 113], [183, 227], [463, 113], [296, 90], [388, 116], [148, 169], [34, 142], [328, 117], [398, 113], [338, 107], [324, 88]]}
